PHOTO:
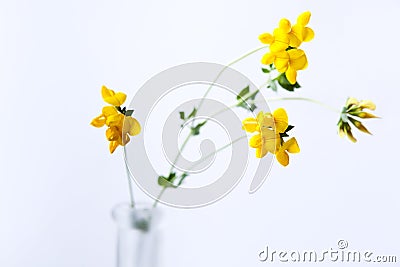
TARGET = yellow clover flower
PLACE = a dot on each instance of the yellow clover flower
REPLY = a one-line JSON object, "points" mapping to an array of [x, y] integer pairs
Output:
{"points": [[354, 108], [120, 125], [284, 43], [270, 130]]}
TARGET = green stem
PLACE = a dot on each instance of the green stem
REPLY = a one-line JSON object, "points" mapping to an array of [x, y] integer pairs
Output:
{"points": [[179, 152], [132, 200], [197, 163], [216, 151], [304, 99], [223, 69]]}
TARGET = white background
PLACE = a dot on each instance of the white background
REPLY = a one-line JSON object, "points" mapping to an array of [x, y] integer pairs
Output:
{"points": [[58, 183]]}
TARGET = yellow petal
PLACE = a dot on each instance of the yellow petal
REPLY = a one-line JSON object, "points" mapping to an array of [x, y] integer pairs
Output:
{"points": [[284, 25], [298, 59], [255, 141], [364, 115], [294, 41], [304, 18], [105, 92], [291, 146], [109, 111], [282, 157], [351, 101], [115, 120], [280, 43], [250, 125], [116, 100], [281, 61], [113, 133], [271, 141], [308, 34], [291, 75], [281, 120], [99, 121], [265, 121], [131, 126], [124, 140], [359, 125], [268, 58], [367, 104], [347, 130], [266, 38], [113, 145], [260, 153]]}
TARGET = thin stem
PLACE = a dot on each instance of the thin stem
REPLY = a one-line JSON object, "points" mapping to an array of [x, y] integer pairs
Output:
{"points": [[304, 99], [197, 163], [216, 151], [179, 152], [159, 196], [132, 203], [223, 69]]}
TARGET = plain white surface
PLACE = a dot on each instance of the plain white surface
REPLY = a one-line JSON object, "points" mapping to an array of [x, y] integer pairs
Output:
{"points": [[58, 183]]}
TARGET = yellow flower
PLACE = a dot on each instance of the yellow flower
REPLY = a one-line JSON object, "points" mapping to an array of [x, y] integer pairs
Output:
{"points": [[112, 98], [288, 62], [290, 146], [270, 130], [120, 125], [354, 108], [284, 43]]}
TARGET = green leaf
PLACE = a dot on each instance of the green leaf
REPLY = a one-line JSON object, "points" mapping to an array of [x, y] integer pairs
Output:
{"points": [[285, 84], [182, 115], [193, 113], [272, 85], [242, 93], [167, 181], [290, 127], [183, 176], [265, 70], [162, 181], [196, 130], [129, 112]]}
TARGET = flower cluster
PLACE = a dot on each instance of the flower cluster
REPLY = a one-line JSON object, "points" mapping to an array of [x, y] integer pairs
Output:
{"points": [[284, 44], [354, 108], [118, 120], [271, 129]]}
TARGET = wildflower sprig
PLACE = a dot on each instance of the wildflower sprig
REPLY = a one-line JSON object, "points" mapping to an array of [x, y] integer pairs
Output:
{"points": [[285, 55], [118, 119]]}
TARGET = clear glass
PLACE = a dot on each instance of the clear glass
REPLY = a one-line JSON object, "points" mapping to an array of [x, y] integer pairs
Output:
{"points": [[137, 235]]}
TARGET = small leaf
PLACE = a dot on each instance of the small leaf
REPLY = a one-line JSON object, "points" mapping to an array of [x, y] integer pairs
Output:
{"points": [[265, 70], [196, 130], [273, 86], [129, 112], [162, 181], [285, 84], [183, 176], [193, 113], [167, 181], [290, 127], [242, 93], [182, 115]]}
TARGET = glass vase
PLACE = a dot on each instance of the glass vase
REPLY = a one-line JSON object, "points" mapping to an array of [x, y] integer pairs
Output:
{"points": [[137, 235]]}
